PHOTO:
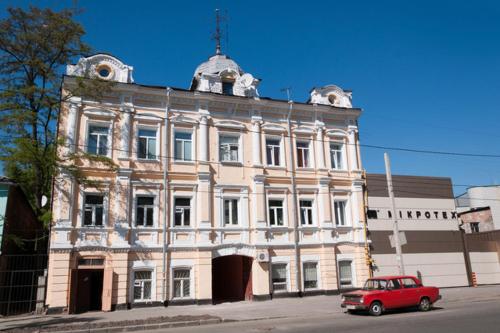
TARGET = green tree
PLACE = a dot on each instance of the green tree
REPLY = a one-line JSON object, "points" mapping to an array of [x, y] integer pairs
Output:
{"points": [[35, 46]]}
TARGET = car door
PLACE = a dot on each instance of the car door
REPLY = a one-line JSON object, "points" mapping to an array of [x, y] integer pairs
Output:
{"points": [[411, 292], [393, 295]]}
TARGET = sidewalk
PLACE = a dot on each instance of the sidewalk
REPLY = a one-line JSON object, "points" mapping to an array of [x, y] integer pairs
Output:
{"points": [[160, 317]]}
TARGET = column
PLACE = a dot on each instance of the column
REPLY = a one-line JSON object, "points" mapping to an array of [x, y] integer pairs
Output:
{"points": [[320, 150], [259, 208], [353, 155], [204, 208], [71, 130], [356, 202], [256, 146], [203, 138], [125, 132]]}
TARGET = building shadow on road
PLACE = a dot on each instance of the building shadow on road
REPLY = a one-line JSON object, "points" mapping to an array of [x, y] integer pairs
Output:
{"points": [[394, 311]]}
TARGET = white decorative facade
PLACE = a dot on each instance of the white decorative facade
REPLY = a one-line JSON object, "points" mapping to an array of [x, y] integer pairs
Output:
{"points": [[214, 198]]}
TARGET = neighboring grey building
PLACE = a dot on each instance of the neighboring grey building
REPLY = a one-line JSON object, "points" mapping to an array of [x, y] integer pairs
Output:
{"points": [[479, 208], [426, 214]]}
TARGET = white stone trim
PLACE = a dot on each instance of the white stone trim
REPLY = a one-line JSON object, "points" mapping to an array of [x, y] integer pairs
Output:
{"points": [[182, 264], [305, 258], [282, 260], [142, 265]]}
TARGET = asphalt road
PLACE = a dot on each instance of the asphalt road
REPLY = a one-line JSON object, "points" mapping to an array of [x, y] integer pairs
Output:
{"points": [[462, 317]]}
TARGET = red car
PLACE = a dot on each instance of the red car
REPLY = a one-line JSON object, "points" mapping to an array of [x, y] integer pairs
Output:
{"points": [[390, 292]]}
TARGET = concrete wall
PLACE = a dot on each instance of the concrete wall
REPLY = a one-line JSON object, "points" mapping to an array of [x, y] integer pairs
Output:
{"points": [[484, 252]]}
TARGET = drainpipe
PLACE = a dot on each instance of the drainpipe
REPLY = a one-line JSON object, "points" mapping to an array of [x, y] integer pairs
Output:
{"points": [[294, 204], [165, 202]]}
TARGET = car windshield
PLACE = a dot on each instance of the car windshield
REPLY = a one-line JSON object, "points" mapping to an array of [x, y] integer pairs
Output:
{"points": [[374, 284]]}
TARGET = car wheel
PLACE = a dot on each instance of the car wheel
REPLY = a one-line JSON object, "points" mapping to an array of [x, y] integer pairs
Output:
{"points": [[375, 309], [424, 305]]}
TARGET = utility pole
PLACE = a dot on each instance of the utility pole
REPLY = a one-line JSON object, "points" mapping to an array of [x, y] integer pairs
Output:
{"points": [[397, 242]]}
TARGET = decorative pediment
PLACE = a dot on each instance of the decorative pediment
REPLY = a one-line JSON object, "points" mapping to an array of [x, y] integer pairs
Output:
{"points": [[336, 132], [230, 124], [148, 117], [273, 128], [95, 112], [102, 66], [303, 130], [181, 119], [331, 95]]}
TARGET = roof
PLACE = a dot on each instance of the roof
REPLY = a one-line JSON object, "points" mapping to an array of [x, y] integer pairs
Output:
{"points": [[217, 63], [472, 210], [410, 186], [6, 181]]}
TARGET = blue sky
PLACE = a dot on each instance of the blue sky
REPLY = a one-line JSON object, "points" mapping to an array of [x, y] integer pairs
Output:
{"points": [[426, 73]]}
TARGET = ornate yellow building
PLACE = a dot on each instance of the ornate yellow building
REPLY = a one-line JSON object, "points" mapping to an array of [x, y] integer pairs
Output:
{"points": [[219, 194]]}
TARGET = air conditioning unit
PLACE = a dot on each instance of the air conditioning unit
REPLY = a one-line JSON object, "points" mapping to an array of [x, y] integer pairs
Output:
{"points": [[263, 257]]}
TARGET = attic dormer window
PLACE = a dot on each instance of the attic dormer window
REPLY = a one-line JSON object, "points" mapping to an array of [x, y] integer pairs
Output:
{"points": [[227, 86], [104, 71], [332, 98]]}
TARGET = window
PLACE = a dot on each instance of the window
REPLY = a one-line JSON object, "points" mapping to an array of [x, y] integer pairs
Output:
{"points": [[273, 151], [474, 226], [340, 218], [279, 277], [230, 211], [145, 211], [345, 273], [93, 210], [183, 146], [147, 144], [276, 212], [310, 275], [142, 285], [306, 216], [97, 142], [409, 283], [336, 152], [182, 212], [181, 283], [227, 87], [229, 148], [303, 154], [372, 214]]}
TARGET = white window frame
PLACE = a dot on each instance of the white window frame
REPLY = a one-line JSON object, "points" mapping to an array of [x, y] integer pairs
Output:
{"points": [[96, 123], [280, 146], [347, 215], [158, 143], [191, 212], [348, 257], [142, 299], [285, 260], [142, 265], [313, 213], [283, 207], [105, 210], [240, 146], [309, 152], [311, 259], [342, 152], [238, 211], [287, 279], [177, 129], [182, 264], [154, 206]]}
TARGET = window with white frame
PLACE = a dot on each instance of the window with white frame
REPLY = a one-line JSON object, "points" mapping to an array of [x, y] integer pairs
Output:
{"points": [[306, 212], [230, 211], [345, 272], [145, 211], [273, 151], [303, 154], [337, 155], [93, 210], [275, 212], [142, 285], [279, 277], [146, 148], [229, 148], [310, 275], [97, 140], [340, 212], [182, 283], [183, 149], [182, 211]]}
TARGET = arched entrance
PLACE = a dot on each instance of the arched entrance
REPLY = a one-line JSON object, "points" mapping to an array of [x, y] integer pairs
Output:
{"points": [[231, 278]]}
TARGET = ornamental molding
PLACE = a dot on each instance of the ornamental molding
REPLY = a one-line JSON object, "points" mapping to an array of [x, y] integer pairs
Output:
{"points": [[230, 124], [331, 95], [102, 66]]}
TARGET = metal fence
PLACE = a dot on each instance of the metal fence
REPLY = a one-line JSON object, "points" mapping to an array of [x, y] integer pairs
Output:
{"points": [[22, 283]]}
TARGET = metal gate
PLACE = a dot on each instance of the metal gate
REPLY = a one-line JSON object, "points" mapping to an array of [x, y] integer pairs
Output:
{"points": [[22, 283]]}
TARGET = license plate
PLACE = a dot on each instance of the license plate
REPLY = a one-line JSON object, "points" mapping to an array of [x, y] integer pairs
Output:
{"points": [[351, 307]]}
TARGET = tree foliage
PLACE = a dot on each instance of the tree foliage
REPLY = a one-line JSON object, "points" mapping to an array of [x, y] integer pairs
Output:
{"points": [[35, 46]]}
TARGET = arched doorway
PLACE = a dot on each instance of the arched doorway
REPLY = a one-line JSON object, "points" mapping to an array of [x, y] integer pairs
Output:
{"points": [[231, 278]]}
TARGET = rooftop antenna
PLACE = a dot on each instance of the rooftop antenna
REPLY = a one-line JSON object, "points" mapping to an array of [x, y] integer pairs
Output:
{"points": [[217, 34], [288, 92]]}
